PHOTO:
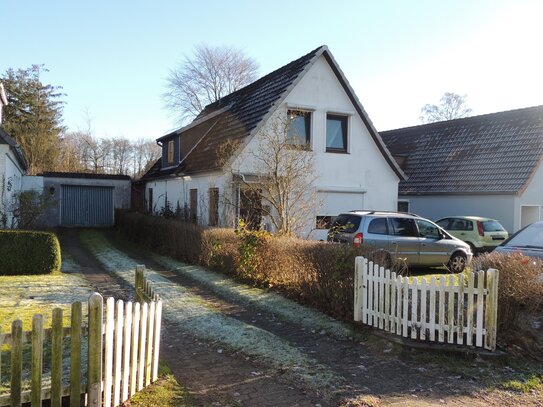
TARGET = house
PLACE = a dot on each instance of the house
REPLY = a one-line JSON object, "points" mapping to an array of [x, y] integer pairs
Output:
{"points": [[353, 167], [13, 166], [488, 165]]}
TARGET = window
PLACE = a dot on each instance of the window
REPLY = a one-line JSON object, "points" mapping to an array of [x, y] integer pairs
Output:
{"points": [[193, 210], [492, 226], [444, 223], [427, 229], [324, 222], [378, 226], [403, 227], [403, 206], [299, 129], [460, 224], [336, 133], [150, 200], [250, 208], [213, 206], [170, 151], [346, 223]]}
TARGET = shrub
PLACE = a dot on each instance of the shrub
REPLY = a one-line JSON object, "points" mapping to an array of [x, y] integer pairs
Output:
{"points": [[520, 287], [314, 273], [28, 252]]}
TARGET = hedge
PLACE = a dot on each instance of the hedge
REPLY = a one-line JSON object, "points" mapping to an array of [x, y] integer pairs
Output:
{"points": [[28, 252], [314, 273]]}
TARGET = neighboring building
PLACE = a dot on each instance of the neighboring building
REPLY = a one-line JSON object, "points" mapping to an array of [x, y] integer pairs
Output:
{"points": [[80, 199], [13, 166], [488, 165], [355, 170], [12, 169]]}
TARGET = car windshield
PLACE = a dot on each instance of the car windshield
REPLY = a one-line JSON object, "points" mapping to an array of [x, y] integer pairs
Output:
{"points": [[532, 236], [492, 226], [345, 223]]}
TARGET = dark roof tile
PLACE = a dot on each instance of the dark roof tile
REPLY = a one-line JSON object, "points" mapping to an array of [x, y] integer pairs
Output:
{"points": [[492, 153]]}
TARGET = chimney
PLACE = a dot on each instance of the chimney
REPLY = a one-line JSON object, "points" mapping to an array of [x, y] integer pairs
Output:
{"points": [[3, 100]]}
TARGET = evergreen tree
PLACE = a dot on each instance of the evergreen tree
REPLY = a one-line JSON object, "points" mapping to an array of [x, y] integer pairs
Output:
{"points": [[33, 116]]}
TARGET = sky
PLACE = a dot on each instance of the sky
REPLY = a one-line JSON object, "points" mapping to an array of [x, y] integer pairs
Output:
{"points": [[112, 58]]}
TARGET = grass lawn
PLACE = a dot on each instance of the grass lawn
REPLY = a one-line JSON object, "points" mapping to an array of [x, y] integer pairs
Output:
{"points": [[165, 392], [23, 296]]}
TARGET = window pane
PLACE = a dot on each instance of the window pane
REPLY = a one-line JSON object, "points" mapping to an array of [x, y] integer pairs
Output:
{"points": [[403, 227], [346, 223], [213, 206], [378, 226], [336, 133], [426, 229], [298, 130], [403, 206], [444, 223], [492, 226], [324, 222]]}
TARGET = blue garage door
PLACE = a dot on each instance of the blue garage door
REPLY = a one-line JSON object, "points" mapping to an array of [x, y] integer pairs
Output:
{"points": [[83, 205]]}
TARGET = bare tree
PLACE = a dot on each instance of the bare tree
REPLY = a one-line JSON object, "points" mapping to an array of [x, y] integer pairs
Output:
{"points": [[451, 106], [279, 181], [145, 153], [205, 77]]}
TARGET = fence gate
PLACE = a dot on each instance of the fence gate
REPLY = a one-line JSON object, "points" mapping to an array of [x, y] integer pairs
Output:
{"points": [[456, 308], [85, 205]]}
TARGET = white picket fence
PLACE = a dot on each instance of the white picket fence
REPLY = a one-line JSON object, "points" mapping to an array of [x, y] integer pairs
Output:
{"points": [[122, 356], [456, 308]]}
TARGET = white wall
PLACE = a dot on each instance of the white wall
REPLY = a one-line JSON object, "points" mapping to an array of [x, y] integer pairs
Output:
{"points": [[533, 197], [178, 192], [11, 175], [499, 207], [362, 178]]}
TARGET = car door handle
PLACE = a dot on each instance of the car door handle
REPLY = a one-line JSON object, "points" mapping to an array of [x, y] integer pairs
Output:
{"points": [[395, 243], [463, 234]]}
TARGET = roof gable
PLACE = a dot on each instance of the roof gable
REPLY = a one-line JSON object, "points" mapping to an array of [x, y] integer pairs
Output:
{"points": [[237, 116], [5, 138], [489, 154]]}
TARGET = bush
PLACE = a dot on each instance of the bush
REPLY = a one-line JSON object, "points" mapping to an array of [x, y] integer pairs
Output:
{"points": [[28, 252], [315, 273], [520, 287]]}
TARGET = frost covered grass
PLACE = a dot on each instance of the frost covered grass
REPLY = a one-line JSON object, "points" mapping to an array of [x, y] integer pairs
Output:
{"points": [[256, 297], [24, 296], [195, 315]]}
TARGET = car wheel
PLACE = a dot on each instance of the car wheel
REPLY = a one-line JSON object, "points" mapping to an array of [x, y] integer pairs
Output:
{"points": [[457, 263]]}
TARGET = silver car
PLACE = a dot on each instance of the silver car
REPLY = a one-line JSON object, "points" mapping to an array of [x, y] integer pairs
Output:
{"points": [[528, 241], [398, 235]]}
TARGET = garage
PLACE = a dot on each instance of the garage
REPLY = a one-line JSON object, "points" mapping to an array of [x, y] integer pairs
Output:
{"points": [[81, 199], [84, 205]]}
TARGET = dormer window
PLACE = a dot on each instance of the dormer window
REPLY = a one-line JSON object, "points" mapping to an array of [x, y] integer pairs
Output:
{"points": [[170, 151], [299, 128]]}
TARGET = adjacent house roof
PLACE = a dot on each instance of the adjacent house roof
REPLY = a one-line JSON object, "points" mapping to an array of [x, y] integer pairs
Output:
{"points": [[494, 153], [5, 138], [237, 116]]}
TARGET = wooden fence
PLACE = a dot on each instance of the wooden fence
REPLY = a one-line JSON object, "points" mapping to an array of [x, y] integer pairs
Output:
{"points": [[456, 308], [121, 359]]}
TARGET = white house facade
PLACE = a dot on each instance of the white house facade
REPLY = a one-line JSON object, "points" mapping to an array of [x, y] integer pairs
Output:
{"points": [[12, 169], [354, 169], [489, 165]]}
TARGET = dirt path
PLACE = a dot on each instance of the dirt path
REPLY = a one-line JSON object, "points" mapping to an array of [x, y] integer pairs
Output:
{"points": [[102, 282], [367, 365]]}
